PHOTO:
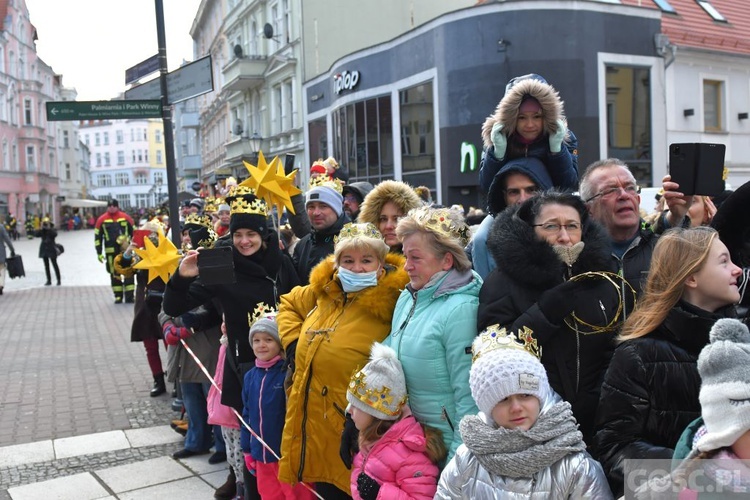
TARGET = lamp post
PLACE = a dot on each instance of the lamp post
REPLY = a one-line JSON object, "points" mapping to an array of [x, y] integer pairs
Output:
{"points": [[256, 141]]}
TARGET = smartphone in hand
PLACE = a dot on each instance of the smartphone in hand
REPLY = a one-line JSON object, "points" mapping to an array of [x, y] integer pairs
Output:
{"points": [[697, 167], [216, 266]]}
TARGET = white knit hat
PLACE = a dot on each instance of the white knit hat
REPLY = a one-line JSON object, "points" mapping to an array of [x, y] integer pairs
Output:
{"points": [[379, 389], [503, 367], [724, 367]]}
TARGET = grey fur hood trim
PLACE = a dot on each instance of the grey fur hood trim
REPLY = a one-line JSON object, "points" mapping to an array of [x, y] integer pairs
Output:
{"points": [[400, 193], [507, 110]]}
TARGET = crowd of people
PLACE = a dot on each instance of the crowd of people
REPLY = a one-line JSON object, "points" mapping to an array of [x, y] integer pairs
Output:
{"points": [[373, 345]]}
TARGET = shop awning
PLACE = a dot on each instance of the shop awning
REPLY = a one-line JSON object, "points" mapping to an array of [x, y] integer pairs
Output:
{"points": [[83, 203]]}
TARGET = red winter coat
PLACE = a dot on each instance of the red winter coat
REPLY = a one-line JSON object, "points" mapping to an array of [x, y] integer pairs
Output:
{"points": [[399, 463]]}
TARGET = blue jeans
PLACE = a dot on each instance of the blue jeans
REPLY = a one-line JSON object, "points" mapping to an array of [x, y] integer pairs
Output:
{"points": [[200, 435]]}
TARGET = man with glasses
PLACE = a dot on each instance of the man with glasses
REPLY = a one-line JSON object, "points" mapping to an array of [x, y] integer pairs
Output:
{"points": [[517, 181], [354, 195], [613, 198]]}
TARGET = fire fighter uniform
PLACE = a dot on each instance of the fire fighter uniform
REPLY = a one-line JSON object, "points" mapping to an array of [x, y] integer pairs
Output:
{"points": [[106, 230]]}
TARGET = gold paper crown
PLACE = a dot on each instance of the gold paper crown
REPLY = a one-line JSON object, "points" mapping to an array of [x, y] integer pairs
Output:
{"points": [[199, 220], [352, 229], [245, 204], [326, 181], [208, 241], [237, 191], [439, 220], [210, 207], [494, 337], [262, 310], [380, 399]]}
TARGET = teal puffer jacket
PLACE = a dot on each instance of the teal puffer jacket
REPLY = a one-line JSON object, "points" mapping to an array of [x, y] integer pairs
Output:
{"points": [[432, 332]]}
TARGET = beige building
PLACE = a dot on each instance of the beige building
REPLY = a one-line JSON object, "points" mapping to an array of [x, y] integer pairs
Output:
{"points": [[262, 54]]}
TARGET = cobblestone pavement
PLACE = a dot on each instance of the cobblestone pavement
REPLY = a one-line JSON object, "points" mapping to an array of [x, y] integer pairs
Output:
{"points": [[69, 369]]}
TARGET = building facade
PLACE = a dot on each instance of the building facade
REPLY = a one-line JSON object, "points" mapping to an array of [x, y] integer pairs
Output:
{"points": [[412, 108], [707, 82], [73, 156], [127, 161], [29, 176]]}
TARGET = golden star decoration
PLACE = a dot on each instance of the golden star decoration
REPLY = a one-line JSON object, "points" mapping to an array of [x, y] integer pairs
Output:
{"points": [[270, 183], [161, 261]]}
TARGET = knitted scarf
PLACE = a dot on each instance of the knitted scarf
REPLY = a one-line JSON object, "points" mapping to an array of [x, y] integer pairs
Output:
{"points": [[517, 453]]}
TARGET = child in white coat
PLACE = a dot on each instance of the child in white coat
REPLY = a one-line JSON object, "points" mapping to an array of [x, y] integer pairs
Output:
{"points": [[525, 441]]}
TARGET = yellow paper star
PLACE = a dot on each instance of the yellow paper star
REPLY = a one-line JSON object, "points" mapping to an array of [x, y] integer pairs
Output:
{"points": [[161, 261], [270, 183]]}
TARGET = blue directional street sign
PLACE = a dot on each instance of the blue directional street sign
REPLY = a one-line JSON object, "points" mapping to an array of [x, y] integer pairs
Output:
{"points": [[142, 69]]}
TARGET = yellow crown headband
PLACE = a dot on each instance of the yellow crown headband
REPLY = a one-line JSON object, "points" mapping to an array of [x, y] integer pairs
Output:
{"points": [[494, 337], [237, 191], [242, 205], [325, 181], [352, 229], [379, 399], [199, 220], [439, 220], [262, 310]]}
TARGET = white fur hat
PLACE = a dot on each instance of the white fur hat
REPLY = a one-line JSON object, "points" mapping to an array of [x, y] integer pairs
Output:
{"points": [[379, 389]]}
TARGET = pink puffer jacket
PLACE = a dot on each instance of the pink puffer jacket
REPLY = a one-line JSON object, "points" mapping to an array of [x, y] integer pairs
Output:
{"points": [[399, 463]]}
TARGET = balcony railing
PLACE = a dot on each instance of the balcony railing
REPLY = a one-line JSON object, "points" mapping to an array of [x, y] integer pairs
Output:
{"points": [[244, 73], [237, 149], [191, 162]]}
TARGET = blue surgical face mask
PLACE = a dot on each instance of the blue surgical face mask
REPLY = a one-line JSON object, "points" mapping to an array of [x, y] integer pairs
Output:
{"points": [[354, 282]]}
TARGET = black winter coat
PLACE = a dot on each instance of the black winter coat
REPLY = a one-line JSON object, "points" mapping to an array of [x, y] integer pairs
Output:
{"points": [[148, 297], [526, 268], [314, 247], [47, 246], [650, 391], [636, 261], [262, 277]]}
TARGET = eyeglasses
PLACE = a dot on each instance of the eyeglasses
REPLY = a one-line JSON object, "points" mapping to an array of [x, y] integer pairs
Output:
{"points": [[350, 198], [517, 191], [630, 189], [553, 227]]}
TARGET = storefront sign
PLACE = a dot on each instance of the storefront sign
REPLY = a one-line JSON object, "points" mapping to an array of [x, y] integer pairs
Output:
{"points": [[345, 81]]}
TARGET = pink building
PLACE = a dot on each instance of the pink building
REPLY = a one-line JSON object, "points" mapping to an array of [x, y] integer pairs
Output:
{"points": [[29, 177]]}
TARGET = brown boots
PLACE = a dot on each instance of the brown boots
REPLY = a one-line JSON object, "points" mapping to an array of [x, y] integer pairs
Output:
{"points": [[227, 490]]}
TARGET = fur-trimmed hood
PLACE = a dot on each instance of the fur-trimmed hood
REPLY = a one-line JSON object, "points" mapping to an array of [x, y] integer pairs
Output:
{"points": [[507, 110], [378, 300], [527, 259], [400, 193]]}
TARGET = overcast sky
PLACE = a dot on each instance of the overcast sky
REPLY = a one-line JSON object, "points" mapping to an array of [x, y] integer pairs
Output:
{"points": [[92, 42]]}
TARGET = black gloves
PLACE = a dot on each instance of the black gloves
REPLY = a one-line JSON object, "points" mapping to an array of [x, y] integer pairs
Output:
{"points": [[368, 488], [557, 303], [349, 443]]}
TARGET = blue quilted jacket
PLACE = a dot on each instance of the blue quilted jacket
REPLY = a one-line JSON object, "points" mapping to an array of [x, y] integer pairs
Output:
{"points": [[432, 332]]}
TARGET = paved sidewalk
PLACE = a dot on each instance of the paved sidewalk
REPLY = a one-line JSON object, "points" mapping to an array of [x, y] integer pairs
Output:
{"points": [[76, 419]]}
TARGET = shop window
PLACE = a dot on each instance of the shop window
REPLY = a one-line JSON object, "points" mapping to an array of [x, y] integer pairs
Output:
{"points": [[418, 135], [629, 119]]}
